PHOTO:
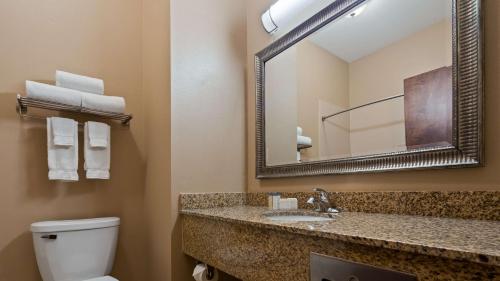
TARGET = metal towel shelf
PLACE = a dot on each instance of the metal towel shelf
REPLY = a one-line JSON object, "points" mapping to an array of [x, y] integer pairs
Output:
{"points": [[23, 103]]}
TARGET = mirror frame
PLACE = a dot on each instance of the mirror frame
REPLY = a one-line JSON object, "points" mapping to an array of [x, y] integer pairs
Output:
{"points": [[468, 117]]}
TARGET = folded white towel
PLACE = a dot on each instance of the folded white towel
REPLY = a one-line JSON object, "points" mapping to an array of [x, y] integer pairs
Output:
{"points": [[103, 103], [302, 140], [79, 82], [63, 160], [97, 159], [98, 134], [46, 92], [299, 131], [63, 131]]}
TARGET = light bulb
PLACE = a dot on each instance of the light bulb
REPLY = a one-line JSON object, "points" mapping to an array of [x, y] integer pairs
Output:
{"points": [[281, 13]]}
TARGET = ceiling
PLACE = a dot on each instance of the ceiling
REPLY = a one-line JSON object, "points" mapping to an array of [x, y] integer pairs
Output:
{"points": [[311, 9], [381, 23]]}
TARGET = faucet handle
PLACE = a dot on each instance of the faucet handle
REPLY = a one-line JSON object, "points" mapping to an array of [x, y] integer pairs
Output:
{"points": [[312, 201], [318, 189], [323, 194], [333, 210]]}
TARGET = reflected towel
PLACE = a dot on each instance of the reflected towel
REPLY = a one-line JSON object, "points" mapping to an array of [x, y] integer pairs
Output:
{"points": [[299, 131], [302, 140]]}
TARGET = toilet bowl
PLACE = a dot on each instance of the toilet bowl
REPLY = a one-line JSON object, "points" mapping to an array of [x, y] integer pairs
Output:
{"points": [[104, 278], [76, 250]]}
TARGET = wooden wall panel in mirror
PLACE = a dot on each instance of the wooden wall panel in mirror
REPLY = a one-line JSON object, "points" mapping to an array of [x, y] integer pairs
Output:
{"points": [[428, 109], [372, 85]]}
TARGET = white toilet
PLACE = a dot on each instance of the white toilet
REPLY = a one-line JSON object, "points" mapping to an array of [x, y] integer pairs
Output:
{"points": [[76, 250]]}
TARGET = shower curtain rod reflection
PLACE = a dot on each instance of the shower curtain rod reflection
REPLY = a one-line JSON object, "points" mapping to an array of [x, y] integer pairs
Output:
{"points": [[360, 106]]}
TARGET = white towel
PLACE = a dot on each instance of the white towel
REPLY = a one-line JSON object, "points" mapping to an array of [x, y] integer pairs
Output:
{"points": [[299, 131], [98, 134], [79, 82], [302, 140], [63, 131], [97, 159], [63, 160], [46, 92], [104, 103]]}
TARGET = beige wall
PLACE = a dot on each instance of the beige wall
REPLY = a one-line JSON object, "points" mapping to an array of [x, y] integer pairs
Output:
{"points": [[125, 43], [323, 83], [485, 178], [281, 108], [208, 105], [323, 88], [156, 88], [380, 75], [99, 38]]}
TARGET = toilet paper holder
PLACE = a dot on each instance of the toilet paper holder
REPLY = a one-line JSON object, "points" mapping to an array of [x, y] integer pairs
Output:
{"points": [[210, 270]]}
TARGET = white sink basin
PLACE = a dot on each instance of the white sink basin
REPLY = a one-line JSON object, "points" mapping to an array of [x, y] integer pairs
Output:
{"points": [[298, 218]]}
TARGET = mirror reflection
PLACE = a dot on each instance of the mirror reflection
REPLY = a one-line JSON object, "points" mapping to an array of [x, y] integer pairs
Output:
{"points": [[376, 80]]}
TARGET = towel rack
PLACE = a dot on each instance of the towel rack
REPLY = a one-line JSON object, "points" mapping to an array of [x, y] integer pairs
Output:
{"points": [[323, 118], [23, 103], [303, 146]]}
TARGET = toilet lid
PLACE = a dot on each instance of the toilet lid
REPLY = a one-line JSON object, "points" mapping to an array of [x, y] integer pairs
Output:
{"points": [[103, 278]]}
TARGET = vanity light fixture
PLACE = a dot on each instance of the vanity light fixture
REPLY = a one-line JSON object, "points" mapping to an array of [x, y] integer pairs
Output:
{"points": [[281, 12], [357, 11]]}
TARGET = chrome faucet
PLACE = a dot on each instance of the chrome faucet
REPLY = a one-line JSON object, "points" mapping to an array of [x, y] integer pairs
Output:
{"points": [[322, 205]]}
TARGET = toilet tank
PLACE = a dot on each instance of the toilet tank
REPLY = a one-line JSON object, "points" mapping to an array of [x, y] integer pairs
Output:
{"points": [[75, 249]]}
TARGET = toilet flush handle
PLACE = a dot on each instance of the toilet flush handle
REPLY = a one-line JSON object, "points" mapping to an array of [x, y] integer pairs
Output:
{"points": [[49, 236]]}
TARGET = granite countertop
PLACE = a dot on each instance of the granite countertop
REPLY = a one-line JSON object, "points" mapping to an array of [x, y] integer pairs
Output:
{"points": [[471, 240]]}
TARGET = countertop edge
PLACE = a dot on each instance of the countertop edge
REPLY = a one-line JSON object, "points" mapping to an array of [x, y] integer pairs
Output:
{"points": [[442, 252]]}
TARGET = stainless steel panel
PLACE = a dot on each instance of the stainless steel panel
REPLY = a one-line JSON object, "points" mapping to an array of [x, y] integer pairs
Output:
{"points": [[325, 268]]}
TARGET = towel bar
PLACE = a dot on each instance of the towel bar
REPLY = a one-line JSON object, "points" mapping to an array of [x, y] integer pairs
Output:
{"points": [[23, 103]]}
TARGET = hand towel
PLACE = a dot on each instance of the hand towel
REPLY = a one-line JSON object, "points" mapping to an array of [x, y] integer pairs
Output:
{"points": [[62, 159], [79, 82], [63, 131], [97, 159], [103, 103], [98, 134], [50, 93]]}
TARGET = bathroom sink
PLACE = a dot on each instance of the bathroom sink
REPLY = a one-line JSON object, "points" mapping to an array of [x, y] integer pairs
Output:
{"points": [[298, 217]]}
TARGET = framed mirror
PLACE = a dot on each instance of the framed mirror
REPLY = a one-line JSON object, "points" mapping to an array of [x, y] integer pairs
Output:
{"points": [[372, 86]]}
